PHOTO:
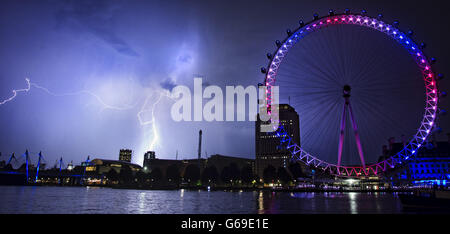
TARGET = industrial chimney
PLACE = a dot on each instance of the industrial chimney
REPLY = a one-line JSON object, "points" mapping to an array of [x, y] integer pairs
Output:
{"points": [[199, 147]]}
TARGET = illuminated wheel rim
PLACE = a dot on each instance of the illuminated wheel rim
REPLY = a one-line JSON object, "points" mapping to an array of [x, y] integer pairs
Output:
{"points": [[414, 50]]}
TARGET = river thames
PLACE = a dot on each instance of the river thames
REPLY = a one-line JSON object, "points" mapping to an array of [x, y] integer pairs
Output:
{"points": [[94, 200]]}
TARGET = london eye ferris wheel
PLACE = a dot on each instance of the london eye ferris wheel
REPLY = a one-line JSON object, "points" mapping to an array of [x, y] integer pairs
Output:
{"points": [[355, 81]]}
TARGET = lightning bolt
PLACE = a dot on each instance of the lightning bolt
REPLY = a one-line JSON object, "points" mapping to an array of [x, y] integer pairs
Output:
{"points": [[152, 120], [15, 91], [143, 109], [103, 103]]}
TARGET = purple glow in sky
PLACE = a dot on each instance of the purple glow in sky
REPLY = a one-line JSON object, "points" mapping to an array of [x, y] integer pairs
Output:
{"points": [[100, 70]]}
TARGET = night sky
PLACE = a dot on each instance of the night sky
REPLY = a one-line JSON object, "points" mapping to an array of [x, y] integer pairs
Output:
{"points": [[98, 67]]}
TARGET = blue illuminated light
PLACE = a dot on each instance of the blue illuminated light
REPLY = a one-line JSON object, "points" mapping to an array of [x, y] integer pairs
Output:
{"points": [[431, 182], [10, 172]]}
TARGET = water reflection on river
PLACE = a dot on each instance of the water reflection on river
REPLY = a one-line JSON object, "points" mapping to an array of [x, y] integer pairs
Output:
{"points": [[27, 199], [312, 203]]}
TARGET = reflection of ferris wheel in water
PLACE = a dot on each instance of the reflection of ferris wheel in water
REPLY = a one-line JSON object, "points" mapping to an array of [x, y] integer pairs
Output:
{"points": [[343, 70]]}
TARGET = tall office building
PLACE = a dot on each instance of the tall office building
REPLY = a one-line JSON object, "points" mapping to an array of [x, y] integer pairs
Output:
{"points": [[268, 147], [125, 155]]}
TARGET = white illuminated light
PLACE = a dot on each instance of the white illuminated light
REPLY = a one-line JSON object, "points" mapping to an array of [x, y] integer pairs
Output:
{"points": [[350, 181]]}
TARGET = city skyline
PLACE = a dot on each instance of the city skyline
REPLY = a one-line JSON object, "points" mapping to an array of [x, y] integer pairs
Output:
{"points": [[71, 48]]}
